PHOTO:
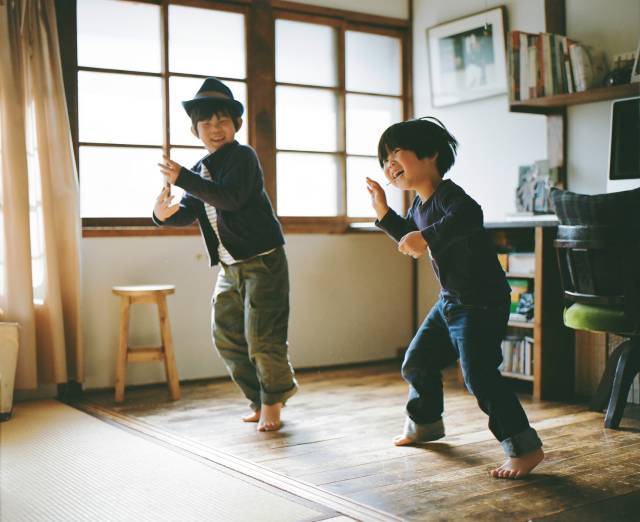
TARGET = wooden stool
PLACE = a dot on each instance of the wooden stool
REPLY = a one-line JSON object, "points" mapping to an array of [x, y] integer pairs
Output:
{"points": [[145, 294]]}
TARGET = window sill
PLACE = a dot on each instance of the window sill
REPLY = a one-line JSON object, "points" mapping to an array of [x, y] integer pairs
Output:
{"points": [[125, 231], [290, 226]]}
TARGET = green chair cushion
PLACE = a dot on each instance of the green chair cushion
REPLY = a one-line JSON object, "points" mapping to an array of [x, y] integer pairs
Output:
{"points": [[597, 318]]}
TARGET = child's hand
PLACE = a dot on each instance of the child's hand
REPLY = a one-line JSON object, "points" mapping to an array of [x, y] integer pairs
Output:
{"points": [[170, 169], [378, 198], [413, 244], [163, 208]]}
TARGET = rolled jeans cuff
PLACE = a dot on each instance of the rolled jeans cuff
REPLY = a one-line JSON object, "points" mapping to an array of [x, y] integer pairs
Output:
{"points": [[522, 443], [270, 398]]}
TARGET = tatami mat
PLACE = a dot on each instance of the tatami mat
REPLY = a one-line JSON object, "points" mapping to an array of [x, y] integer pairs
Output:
{"points": [[57, 463]]}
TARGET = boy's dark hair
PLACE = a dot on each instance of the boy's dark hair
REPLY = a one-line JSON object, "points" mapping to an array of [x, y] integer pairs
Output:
{"points": [[423, 137], [204, 111]]}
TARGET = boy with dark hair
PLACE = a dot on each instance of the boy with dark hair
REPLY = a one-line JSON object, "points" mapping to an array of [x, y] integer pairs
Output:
{"points": [[225, 193], [470, 318]]}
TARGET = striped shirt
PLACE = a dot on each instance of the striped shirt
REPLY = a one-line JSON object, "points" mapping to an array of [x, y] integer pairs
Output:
{"points": [[223, 253]]}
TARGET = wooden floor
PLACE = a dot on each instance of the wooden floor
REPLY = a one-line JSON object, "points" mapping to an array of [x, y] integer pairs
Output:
{"points": [[337, 435]]}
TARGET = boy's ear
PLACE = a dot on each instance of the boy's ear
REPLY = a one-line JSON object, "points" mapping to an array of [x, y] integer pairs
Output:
{"points": [[238, 124], [194, 131]]}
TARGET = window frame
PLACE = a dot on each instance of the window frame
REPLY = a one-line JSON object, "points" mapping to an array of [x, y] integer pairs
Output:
{"points": [[260, 18]]}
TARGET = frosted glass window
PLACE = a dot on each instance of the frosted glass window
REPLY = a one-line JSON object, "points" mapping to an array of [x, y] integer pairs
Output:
{"points": [[119, 182], [307, 184], [120, 108], [306, 119], [367, 118], [306, 53], [187, 157], [203, 41], [181, 89], [358, 198], [373, 63], [108, 31]]}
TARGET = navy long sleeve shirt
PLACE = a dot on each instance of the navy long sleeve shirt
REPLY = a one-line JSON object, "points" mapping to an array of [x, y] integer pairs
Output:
{"points": [[246, 222], [462, 253]]}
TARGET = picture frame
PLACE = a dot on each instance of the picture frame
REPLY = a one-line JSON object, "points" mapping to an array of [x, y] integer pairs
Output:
{"points": [[467, 58], [635, 72]]}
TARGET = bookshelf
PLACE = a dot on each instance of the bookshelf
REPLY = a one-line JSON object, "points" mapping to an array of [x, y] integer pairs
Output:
{"points": [[553, 104], [555, 107], [553, 345]]}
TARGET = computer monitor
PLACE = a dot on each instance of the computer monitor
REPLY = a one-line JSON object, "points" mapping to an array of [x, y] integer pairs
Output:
{"points": [[624, 146]]}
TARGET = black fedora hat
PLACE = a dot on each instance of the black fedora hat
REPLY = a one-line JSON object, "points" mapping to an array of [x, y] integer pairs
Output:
{"points": [[213, 89]]}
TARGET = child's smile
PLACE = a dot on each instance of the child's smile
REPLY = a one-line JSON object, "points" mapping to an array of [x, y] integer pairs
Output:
{"points": [[216, 132]]}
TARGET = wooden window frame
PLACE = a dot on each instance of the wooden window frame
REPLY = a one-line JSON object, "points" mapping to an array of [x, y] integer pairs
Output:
{"points": [[260, 17]]}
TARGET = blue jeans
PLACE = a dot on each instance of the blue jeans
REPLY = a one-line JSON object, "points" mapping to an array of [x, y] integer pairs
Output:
{"points": [[473, 334]]}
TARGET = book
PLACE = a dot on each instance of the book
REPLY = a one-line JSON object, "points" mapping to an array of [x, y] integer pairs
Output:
{"points": [[503, 259], [518, 287], [524, 66], [532, 60], [528, 355], [522, 263], [545, 64]]}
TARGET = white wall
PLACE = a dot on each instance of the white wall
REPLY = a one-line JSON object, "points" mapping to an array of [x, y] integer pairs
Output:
{"points": [[350, 302], [493, 141], [613, 26], [393, 8]]}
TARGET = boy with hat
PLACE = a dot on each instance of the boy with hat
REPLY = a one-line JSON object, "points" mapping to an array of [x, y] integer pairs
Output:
{"points": [[225, 193]]}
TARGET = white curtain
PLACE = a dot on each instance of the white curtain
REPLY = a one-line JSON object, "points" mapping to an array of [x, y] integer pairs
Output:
{"points": [[40, 228]]}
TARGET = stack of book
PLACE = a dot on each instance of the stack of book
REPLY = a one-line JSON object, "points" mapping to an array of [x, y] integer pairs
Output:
{"points": [[517, 355], [546, 64]]}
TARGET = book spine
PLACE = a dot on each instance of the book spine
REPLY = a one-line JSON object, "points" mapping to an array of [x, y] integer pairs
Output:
{"points": [[540, 67], [567, 65], [515, 64], [546, 60], [524, 67], [562, 78], [575, 52], [533, 66]]}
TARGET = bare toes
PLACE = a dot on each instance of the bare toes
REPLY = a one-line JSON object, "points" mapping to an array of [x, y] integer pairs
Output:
{"points": [[401, 440]]}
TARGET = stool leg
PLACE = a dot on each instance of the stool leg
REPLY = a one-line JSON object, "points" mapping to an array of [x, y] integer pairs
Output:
{"points": [[167, 344], [121, 361]]}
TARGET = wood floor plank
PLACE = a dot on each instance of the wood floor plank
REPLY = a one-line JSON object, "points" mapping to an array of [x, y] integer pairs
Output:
{"points": [[337, 435]]}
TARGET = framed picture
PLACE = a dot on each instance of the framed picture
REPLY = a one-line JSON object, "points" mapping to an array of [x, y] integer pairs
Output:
{"points": [[635, 72], [467, 58]]}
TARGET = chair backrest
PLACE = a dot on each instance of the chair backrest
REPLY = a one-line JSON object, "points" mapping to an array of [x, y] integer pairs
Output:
{"points": [[598, 247], [598, 264]]}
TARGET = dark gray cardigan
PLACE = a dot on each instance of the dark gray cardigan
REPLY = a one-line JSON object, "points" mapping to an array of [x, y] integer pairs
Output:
{"points": [[246, 222]]}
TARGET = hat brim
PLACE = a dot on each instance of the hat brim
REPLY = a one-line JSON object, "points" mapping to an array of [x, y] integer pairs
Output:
{"points": [[190, 104]]}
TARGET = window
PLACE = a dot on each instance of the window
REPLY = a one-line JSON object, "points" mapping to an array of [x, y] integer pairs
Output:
{"points": [[323, 83], [129, 108], [330, 112]]}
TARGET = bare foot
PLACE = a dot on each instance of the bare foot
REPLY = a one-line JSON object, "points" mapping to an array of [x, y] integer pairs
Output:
{"points": [[518, 467], [254, 417], [419, 433], [402, 440], [270, 417]]}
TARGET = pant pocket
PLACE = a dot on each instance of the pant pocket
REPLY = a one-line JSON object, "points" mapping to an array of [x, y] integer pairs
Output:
{"points": [[268, 324]]}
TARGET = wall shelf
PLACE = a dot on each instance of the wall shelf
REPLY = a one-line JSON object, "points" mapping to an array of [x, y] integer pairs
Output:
{"points": [[520, 376], [521, 324], [555, 104]]}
